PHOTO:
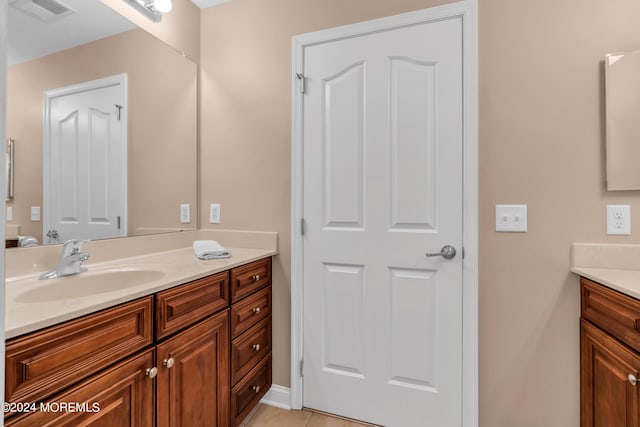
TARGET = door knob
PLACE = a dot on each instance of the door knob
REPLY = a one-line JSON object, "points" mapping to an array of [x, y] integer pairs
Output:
{"points": [[447, 252]]}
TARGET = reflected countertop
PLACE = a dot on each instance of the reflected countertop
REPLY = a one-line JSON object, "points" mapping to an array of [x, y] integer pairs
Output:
{"points": [[23, 315]]}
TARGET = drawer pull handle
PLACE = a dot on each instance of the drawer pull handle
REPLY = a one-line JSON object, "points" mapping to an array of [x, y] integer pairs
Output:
{"points": [[256, 310], [632, 379], [256, 277], [168, 362], [256, 389], [256, 347], [152, 372]]}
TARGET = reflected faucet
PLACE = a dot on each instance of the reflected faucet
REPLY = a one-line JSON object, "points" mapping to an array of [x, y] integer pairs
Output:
{"points": [[70, 261]]}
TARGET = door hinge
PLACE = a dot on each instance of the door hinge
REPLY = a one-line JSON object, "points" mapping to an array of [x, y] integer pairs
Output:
{"points": [[118, 222], [119, 107], [463, 252], [301, 368], [302, 226], [302, 81]]}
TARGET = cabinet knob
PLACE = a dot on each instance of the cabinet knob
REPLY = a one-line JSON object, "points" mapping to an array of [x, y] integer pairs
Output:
{"points": [[168, 362], [256, 389], [152, 372], [632, 379], [256, 310], [256, 347], [256, 277]]}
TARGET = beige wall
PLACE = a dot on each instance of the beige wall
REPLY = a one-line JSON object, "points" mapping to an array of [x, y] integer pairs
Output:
{"points": [[541, 143], [162, 122], [180, 28]]}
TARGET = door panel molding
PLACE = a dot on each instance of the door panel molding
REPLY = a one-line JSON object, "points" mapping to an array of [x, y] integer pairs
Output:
{"points": [[466, 11]]}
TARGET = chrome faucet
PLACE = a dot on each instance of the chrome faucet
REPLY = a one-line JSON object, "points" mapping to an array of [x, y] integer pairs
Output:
{"points": [[70, 261]]}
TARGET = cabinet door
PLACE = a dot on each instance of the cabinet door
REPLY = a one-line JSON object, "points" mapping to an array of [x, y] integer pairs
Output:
{"points": [[609, 396], [121, 396], [193, 376]]}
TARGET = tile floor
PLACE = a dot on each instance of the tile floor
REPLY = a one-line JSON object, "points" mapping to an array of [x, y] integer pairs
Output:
{"points": [[268, 416]]}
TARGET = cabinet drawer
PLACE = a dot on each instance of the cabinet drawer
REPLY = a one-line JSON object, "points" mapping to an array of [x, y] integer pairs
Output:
{"points": [[250, 311], [185, 305], [249, 278], [248, 392], [249, 348], [43, 363], [613, 311], [123, 396]]}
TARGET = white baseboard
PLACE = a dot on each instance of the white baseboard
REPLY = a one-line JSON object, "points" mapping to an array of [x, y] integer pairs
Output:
{"points": [[278, 396]]}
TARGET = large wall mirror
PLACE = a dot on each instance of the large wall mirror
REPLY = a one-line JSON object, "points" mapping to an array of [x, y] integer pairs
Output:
{"points": [[622, 77], [103, 122]]}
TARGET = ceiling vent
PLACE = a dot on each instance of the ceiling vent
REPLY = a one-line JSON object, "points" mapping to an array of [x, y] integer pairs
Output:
{"points": [[43, 10]]}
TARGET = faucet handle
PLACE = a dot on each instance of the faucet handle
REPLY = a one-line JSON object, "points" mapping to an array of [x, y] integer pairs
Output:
{"points": [[72, 246]]}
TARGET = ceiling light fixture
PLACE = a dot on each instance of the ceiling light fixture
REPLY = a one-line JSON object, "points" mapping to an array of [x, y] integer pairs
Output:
{"points": [[152, 9]]}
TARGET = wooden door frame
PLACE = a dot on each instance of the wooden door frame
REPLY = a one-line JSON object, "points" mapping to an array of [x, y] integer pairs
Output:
{"points": [[465, 10], [118, 79]]}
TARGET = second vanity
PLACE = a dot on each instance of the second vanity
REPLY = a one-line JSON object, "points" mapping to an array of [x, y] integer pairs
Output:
{"points": [[190, 345], [609, 334]]}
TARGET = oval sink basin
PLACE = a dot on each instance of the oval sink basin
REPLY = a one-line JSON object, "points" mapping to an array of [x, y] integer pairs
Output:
{"points": [[88, 283]]}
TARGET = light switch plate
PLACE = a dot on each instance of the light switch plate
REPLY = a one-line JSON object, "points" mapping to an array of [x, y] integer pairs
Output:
{"points": [[185, 214], [9, 213], [214, 213], [35, 213], [619, 219], [511, 218]]}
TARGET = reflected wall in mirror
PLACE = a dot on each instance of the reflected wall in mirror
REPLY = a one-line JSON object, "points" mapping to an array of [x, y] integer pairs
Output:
{"points": [[622, 77], [161, 118]]}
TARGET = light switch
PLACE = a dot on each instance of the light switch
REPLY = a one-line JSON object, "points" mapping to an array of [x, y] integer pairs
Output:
{"points": [[511, 218], [9, 213], [185, 214], [214, 213], [35, 213]]}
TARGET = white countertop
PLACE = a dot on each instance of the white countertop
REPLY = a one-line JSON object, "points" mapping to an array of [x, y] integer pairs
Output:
{"points": [[616, 266], [625, 281], [178, 266]]}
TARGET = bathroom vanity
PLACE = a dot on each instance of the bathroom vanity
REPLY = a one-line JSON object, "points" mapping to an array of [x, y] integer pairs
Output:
{"points": [[194, 353], [610, 356], [609, 333]]}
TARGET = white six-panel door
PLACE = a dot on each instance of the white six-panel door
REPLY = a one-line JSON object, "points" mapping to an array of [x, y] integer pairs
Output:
{"points": [[383, 180], [85, 161]]}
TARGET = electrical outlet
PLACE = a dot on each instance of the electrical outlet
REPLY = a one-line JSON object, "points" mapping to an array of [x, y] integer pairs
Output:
{"points": [[511, 218], [185, 214], [619, 219], [214, 213]]}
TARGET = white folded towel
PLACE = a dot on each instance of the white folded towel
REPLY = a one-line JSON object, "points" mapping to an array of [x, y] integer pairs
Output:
{"points": [[210, 249]]}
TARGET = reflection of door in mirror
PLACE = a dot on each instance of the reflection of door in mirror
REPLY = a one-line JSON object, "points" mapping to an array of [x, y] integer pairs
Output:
{"points": [[85, 153], [622, 75], [92, 44]]}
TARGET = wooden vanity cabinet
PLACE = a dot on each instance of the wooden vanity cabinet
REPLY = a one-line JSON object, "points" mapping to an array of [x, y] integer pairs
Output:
{"points": [[193, 375], [609, 359], [251, 307], [46, 362], [179, 375], [124, 396]]}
